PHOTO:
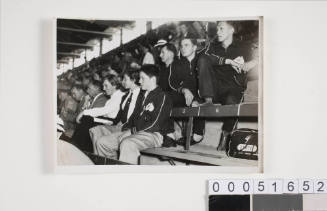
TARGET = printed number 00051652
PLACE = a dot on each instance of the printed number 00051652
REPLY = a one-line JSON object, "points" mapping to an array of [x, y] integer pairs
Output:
{"points": [[266, 186]]}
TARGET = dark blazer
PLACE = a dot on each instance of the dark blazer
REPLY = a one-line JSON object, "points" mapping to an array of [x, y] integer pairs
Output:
{"points": [[121, 109], [80, 106], [128, 124], [152, 114]]}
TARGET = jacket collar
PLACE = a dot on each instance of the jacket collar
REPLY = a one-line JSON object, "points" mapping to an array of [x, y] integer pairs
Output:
{"points": [[235, 43], [153, 92]]}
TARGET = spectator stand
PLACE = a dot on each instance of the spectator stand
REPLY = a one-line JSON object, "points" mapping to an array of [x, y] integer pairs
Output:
{"points": [[116, 58]]}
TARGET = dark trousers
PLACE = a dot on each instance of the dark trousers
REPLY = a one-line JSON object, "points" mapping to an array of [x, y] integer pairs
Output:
{"points": [[81, 137], [178, 100], [222, 91], [233, 96]]}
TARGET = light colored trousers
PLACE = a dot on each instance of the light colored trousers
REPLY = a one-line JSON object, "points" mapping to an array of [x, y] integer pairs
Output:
{"points": [[108, 145], [129, 145], [100, 131]]}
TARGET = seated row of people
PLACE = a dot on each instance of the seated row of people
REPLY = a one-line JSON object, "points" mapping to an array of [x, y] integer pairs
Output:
{"points": [[134, 121], [139, 119], [93, 115], [216, 74]]}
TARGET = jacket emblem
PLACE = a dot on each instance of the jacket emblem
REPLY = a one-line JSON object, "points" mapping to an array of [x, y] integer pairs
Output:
{"points": [[149, 107]]}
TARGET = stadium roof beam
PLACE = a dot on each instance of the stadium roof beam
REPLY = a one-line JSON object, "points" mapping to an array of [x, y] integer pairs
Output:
{"points": [[75, 55], [102, 34], [63, 61], [76, 44]]}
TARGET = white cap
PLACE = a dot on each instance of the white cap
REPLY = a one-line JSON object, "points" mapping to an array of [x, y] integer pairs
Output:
{"points": [[161, 43]]}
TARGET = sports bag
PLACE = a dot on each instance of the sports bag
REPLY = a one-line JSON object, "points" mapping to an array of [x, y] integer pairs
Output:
{"points": [[243, 143]]}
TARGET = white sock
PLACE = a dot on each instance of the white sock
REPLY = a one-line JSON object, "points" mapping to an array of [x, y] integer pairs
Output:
{"points": [[171, 135], [197, 137]]}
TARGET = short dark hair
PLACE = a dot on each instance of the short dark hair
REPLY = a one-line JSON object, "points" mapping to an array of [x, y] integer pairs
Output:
{"points": [[231, 23], [114, 81], [133, 75], [192, 38], [96, 83], [146, 45], [78, 86], [170, 47], [151, 70]]}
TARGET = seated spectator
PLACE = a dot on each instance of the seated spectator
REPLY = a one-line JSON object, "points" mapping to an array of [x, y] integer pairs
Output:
{"points": [[151, 119], [179, 80], [112, 71], [105, 73], [69, 76], [185, 31], [81, 135], [85, 81], [223, 73], [183, 81], [68, 107], [116, 64], [199, 27], [148, 57], [83, 99], [127, 108], [96, 77], [167, 55], [94, 90], [126, 61]]}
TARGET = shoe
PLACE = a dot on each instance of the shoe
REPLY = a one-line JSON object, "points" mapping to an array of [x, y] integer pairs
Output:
{"points": [[168, 142], [182, 141], [207, 102]]}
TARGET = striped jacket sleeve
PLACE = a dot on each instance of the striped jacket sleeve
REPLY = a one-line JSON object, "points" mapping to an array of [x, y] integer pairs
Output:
{"points": [[215, 59]]}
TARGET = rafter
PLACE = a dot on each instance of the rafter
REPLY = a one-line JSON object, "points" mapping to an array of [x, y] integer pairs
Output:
{"points": [[69, 54], [76, 44], [103, 34]]}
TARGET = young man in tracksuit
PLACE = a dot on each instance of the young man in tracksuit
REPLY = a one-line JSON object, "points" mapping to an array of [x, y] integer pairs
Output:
{"points": [[184, 84], [178, 78], [151, 120], [222, 73]]}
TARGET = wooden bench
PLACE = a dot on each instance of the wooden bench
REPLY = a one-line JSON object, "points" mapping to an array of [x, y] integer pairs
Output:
{"points": [[197, 155], [214, 111], [100, 160], [207, 155]]}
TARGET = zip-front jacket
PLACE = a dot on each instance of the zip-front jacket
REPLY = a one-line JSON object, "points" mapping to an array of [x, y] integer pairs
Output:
{"points": [[184, 75], [218, 55], [152, 114]]}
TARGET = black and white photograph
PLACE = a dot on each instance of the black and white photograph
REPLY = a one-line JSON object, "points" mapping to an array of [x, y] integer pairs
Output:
{"points": [[185, 105], [159, 92]]}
